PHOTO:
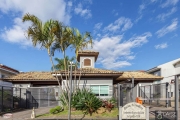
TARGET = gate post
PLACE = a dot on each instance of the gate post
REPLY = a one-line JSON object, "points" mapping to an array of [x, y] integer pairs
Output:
{"points": [[177, 97], [39, 96], [20, 98], [150, 95], [2, 99], [118, 92], [121, 96], [144, 94], [167, 94]]}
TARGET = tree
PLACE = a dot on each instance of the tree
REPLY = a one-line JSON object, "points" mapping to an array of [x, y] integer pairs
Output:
{"points": [[63, 39], [42, 34], [81, 41], [60, 63]]}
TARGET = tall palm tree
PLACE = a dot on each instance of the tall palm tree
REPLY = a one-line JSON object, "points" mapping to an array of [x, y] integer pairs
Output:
{"points": [[42, 34], [63, 39], [60, 63], [81, 41]]}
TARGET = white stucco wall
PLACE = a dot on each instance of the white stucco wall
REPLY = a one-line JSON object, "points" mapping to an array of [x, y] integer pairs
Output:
{"points": [[168, 70]]}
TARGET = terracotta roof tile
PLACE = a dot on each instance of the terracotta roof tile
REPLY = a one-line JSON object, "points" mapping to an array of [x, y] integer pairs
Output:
{"points": [[94, 71], [32, 76], [138, 75]]}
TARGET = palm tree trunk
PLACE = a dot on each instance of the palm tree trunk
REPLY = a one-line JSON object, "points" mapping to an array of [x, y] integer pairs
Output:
{"points": [[65, 68], [56, 75]]}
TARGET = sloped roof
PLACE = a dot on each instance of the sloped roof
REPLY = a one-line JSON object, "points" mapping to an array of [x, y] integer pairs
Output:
{"points": [[31, 76], [8, 68], [178, 62], [89, 70], [34, 76], [87, 53], [138, 75]]}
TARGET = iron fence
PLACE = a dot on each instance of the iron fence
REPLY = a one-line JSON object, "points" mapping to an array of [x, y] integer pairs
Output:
{"points": [[158, 94], [44, 96], [123, 93], [14, 98]]}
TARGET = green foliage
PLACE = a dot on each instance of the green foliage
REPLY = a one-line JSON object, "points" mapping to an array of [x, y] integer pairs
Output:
{"points": [[65, 98], [56, 110], [86, 101]]}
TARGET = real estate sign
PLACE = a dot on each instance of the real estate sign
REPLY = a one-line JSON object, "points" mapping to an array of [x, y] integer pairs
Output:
{"points": [[133, 110]]}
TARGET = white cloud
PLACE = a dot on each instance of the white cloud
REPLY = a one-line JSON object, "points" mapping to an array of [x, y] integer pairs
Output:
{"points": [[115, 13], [88, 1], [167, 29], [153, 0], [43, 9], [114, 53], [16, 34], [169, 3], [98, 26], [141, 8], [86, 13], [69, 3], [140, 12], [165, 15], [161, 46], [121, 24]]}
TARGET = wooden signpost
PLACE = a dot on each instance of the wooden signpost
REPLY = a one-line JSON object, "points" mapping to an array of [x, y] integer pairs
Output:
{"points": [[133, 110]]}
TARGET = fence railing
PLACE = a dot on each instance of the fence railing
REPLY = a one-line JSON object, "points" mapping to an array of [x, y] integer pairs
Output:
{"points": [[14, 98], [158, 94]]}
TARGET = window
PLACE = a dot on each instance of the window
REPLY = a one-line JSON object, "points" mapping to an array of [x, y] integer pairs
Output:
{"points": [[87, 62], [2, 76], [100, 90]]}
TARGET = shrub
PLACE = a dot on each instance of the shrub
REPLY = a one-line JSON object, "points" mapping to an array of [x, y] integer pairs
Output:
{"points": [[109, 104], [56, 110], [86, 101], [65, 98]]}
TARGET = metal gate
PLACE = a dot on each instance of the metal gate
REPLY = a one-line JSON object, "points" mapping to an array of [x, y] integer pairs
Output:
{"points": [[123, 93], [44, 96]]}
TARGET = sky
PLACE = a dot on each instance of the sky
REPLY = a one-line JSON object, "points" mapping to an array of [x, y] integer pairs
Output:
{"points": [[129, 35]]}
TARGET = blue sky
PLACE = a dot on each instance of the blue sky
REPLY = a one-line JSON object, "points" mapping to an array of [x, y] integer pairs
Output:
{"points": [[130, 35]]}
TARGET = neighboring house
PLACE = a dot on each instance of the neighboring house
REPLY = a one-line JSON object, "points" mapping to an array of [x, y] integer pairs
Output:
{"points": [[5, 72], [167, 71], [100, 81]]}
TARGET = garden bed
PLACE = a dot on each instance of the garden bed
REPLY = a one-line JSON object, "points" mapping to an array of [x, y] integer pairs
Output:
{"points": [[79, 114]]}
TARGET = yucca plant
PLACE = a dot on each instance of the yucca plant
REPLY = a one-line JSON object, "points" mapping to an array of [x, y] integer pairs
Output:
{"points": [[85, 100], [64, 99]]}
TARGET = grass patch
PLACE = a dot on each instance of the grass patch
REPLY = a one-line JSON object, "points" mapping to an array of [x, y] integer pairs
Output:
{"points": [[79, 114]]}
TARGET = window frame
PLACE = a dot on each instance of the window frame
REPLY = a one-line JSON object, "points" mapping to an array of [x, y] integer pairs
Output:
{"points": [[89, 60], [99, 90]]}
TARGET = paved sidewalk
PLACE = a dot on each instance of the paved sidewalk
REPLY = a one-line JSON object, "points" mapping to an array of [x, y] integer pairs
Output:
{"points": [[26, 114]]}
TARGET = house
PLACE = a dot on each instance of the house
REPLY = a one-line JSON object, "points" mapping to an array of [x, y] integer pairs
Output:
{"points": [[167, 71], [5, 72], [100, 81]]}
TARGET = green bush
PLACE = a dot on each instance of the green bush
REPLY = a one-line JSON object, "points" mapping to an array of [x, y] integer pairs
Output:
{"points": [[65, 98], [86, 101], [56, 110]]}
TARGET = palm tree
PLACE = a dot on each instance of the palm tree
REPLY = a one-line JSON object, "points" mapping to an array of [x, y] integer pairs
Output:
{"points": [[42, 34], [63, 39], [60, 63], [81, 41]]}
